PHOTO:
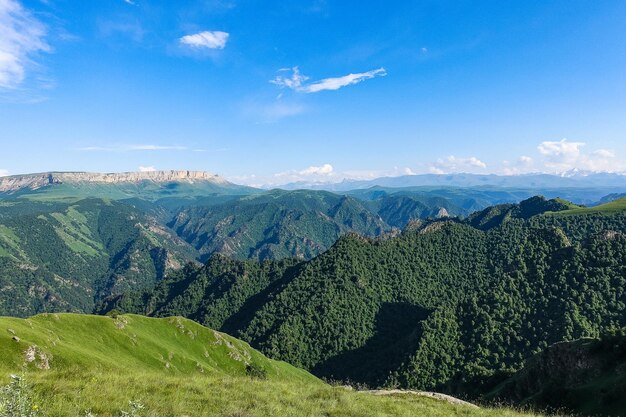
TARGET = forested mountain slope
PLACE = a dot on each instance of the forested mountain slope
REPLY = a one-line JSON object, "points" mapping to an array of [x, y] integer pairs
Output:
{"points": [[445, 305], [497, 215], [60, 251], [276, 224], [57, 256]]}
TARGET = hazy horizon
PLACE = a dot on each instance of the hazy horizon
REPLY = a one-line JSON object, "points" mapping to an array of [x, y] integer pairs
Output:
{"points": [[456, 179]]}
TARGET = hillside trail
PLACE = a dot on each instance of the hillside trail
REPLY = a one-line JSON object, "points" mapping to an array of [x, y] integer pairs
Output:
{"points": [[436, 395]]}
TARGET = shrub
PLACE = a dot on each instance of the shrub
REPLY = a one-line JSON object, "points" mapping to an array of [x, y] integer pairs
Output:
{"points": [[113, 313], [16, 399], [256, 371]]}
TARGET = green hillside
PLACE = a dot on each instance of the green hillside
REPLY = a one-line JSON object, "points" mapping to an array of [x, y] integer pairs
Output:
{"points": [[172, 346], [586, 376], [144, 190], [496, 215], [612, 207], [78, 364], [444, 306], [276, 224], [57, 256]]}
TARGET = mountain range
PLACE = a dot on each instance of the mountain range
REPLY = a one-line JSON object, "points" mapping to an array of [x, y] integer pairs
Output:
{"points": [[435, 287], [569, 179]]}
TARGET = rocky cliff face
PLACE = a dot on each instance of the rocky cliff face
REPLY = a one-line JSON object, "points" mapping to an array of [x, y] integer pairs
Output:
{"points": [[585, 376], [35, 181]]}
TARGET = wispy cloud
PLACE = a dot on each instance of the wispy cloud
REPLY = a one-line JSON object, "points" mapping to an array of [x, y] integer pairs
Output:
{"points": [[146, 168], [455, 164], [4, 172], [133, 148], [22, 37], [262, 111], [526, 160], [298, 82], [604, 153], [126, 28], [324, 173], [294, 81], [130, 2], [206, 39], [313, 173], [523, 165], [339, 82]]}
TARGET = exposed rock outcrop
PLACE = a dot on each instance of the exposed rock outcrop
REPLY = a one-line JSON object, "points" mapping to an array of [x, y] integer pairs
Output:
{"points": [[442, 213], [35, 181]]}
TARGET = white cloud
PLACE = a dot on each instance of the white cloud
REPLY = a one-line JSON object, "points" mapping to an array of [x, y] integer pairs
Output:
{"points": [[22, 36], [435, 170], [130, 2], [324, 173], [297, 81], [314, 173], [525, 160], [559, 157], [206, 39], [455, 164], [4, 172], [563, 155], [559, 148], [337, 83], [523, 165], [326, 169], [604, 153], [133, 148], [475, 162], [560, 154], [294, 82], [146, 169]]}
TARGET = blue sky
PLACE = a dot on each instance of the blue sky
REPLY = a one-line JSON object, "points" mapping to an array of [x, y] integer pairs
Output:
{"points": [[267, 92]]}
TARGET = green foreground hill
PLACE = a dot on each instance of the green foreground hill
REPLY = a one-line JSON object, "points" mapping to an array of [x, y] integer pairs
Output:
{"points": [[174, 366]]}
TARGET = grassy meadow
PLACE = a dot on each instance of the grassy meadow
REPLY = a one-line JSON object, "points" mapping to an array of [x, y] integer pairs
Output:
{"points": [[81, 364]]}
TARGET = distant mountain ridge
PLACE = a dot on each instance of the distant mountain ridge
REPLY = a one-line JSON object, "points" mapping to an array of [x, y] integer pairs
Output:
{"points": [[579, 187], [568, 179], [35, 181]]}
